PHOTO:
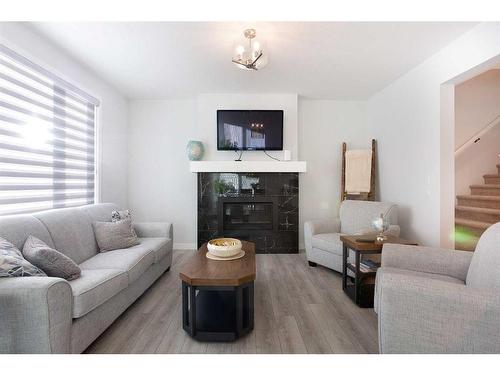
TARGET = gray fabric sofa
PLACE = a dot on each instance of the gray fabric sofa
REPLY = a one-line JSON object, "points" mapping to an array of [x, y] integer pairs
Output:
{"points": [[440, 301], [52, 315], [322, 237]]}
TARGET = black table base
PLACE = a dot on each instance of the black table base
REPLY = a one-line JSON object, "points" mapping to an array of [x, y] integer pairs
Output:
{"points": [[359, 292], [217, 313]]}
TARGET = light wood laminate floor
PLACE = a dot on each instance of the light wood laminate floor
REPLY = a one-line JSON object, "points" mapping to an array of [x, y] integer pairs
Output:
{"points": [[298, 309]]}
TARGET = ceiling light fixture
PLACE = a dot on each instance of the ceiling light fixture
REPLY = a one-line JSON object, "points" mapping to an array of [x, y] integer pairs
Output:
{"points": [[249, 54]]}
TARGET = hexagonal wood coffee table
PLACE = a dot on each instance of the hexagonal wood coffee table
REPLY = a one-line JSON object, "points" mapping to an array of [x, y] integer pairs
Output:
{"points": [[217, 295]]}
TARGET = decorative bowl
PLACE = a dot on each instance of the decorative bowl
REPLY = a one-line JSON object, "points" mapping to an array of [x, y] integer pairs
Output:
{"points": [[224, 247]]}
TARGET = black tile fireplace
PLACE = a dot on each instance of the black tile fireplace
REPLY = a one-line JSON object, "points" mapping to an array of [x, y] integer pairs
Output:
{"points": [[258, 207]]}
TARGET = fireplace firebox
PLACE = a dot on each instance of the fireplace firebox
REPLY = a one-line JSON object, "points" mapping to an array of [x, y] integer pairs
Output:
{"points": [[247, 213]]}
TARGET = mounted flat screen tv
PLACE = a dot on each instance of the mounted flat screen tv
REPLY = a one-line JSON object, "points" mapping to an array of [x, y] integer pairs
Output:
{"points": [[249, 130]]}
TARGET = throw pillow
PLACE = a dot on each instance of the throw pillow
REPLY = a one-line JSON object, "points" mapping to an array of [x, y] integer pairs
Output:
{"points": [[114, 235], [51, 261], [122, 215], [12, 263]]}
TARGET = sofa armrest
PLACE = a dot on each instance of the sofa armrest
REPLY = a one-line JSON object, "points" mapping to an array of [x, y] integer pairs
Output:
{"points": [[313, 227], [322, 226], [36, 315], [452, 263], [419, 315], [154, 229]]}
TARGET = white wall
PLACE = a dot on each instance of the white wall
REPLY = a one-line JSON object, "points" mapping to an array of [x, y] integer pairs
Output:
{"points": [[160, 185], [415, 154], [161, 188], [477, 103], [405, 120], [208, 104], [323, 126], [476, 161], [112, 121]]}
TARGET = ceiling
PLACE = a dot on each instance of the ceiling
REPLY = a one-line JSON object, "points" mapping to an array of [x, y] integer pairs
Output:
{"points": [[329, 60]]}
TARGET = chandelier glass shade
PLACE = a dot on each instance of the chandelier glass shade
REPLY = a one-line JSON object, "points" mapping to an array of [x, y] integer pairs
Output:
{"points": [[248, 53]]}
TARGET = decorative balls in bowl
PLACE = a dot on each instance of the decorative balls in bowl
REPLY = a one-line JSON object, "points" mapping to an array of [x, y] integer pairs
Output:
{"points": [[380, 224], [224, 247]]}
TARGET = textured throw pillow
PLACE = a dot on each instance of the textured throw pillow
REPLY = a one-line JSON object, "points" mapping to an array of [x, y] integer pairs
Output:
{"points": [[114, 235], [122, 215], [51, 261], [12, 263]]}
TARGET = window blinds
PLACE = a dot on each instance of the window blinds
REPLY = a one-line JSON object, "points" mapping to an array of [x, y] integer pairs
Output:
{"points": [[47, 139]]}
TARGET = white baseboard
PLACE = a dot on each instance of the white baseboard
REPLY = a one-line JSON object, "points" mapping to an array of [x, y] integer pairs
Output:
{"points": [[184, 246]]}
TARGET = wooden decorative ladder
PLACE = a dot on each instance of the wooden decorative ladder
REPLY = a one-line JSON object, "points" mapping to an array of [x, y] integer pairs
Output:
{"points": [[476, 212]]}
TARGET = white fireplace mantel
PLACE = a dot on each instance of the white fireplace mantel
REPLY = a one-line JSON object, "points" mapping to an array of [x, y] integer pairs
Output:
{"points": [[248, 166]]}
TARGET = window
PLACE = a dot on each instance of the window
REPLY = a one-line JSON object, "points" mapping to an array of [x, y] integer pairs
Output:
{"points": [[47, 139]]}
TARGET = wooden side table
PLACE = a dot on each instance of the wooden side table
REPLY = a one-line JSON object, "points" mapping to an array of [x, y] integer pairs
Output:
{"points": [[362, 289]]}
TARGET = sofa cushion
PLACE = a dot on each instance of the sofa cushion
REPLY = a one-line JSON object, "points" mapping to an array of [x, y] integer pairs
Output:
{"points": [[134, 261], [71, 230], [161, 246], [12, 263], [122, 215], [51, 261], [328, 242], [94, 287], [17, 228], [114, 235]]}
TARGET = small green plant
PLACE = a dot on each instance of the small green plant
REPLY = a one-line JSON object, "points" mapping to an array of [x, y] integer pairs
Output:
{"points": [[220, 187]]}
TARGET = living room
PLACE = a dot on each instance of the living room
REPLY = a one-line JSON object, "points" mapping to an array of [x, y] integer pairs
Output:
{"points": [[207, 186]]}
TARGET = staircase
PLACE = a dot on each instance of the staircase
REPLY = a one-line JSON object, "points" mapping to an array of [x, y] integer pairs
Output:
{"points": [[476, 212]]}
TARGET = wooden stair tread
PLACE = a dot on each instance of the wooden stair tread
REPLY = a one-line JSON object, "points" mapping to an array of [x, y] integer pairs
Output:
{"points": [[485, 186], [478, 211], [472, 223], [484, 210], [480, 197]]}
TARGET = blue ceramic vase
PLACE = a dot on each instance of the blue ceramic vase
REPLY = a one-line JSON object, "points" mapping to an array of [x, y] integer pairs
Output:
{"points": [[195, 150]]}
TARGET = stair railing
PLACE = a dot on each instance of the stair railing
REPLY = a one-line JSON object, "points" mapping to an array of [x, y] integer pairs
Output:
{"points": [[477, 136]]}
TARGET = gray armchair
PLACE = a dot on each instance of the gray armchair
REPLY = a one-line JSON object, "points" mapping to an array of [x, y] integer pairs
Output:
{"points": [[440, 301], [322, 237]]}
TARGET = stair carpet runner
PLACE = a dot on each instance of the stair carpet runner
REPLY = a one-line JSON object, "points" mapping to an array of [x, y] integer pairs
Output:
{"points": [[476, 212]]}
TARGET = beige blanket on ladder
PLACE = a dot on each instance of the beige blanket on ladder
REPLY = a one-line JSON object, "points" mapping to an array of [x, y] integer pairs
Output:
{"points": [[358, 171]]}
